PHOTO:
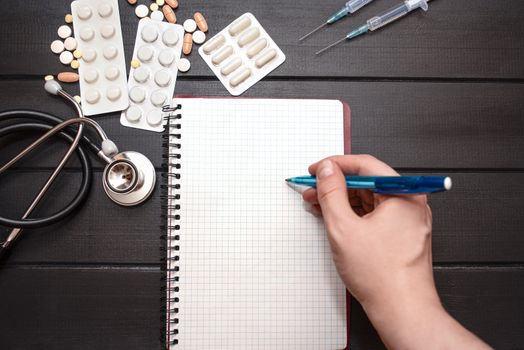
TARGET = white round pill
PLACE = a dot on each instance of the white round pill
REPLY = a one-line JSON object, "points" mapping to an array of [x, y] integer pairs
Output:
{"points": [[166, 57], [91, 75], [84, 12], [199, 37], [137, 94], [145, 53], [105, 10], [170, 37], [141, 11], [190, 25], [157, 16], [158, 98], [87, 33], [66, 57], [110, 52], [133, 114], [70, 44], [57, 46], [107, 31], [183, 65], [89, 55], [163, 78], [154, 118], [92, 96], [149, 34], [141, 74], [64, 31], [113, 93], [112, 72]]}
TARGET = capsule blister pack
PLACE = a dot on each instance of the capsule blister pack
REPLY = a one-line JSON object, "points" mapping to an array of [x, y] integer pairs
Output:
{"points": [[151, 84], [102, 69], [242, 54]]}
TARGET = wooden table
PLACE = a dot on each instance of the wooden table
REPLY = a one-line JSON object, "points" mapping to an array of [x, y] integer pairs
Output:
{"points": [[438, 92]]}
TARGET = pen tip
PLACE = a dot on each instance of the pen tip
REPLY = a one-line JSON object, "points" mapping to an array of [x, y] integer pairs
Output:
{"points": [[288, 179]]}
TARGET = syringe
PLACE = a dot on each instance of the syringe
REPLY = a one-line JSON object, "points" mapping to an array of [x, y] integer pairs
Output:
{"points": [[350, 7], [382, 19]]}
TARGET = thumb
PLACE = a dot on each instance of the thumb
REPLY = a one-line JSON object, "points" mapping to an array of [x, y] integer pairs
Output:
{"points": [[333, 195]]}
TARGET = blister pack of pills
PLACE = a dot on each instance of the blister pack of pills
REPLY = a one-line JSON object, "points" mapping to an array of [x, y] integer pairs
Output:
{"points": [[242, 54], [153, 73], [102, 69]]}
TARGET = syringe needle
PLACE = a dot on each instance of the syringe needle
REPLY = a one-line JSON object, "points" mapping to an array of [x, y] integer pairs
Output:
{"points": [[330, 46], [313, 31]]}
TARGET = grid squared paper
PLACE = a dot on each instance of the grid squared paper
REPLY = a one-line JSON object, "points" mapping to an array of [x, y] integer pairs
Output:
{"points": [[255, 267]]}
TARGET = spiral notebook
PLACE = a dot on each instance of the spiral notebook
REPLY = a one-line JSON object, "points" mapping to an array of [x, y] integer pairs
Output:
{"points": [[247, 266]]}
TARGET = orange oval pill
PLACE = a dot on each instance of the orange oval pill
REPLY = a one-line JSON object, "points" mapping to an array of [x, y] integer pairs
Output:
{"points": [[68, 77], [188, 44], [131, 2], [169, 14], [172, 3], [200, 21]]}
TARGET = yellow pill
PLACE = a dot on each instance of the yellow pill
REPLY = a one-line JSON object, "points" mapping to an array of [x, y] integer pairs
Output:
{"points": [[160, 2], [68, 18], [78, 99], [49, 77], [135, 63], [154, 7], [77, 54], [75, 64]]}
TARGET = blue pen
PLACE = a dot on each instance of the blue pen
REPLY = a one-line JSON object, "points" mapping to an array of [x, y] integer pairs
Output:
{"points": [[387, 184]]}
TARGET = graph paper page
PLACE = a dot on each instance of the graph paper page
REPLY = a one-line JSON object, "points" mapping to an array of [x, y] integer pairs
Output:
{"points": [[255, 267]]}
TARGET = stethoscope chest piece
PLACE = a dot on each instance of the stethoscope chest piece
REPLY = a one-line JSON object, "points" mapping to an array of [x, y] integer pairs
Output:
{"points": [[129, 179]]}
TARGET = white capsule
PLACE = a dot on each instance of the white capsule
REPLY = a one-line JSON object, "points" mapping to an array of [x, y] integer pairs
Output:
{"points": [[266, 58], [221, 55], [137, 94], [133, 114], [57, 46], [64, 31], [213, 44], [231, 66], [240, 77], [66, 57], [258, 46], [170, 37], [149, 34], [237, 27], [248, 37], [163, 78], [70, 44], [190, 25]]}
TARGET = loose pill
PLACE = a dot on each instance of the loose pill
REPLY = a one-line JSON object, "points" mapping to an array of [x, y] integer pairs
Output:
{"points": [[158, 98], [66, 57], [89, 55], [137, 94], [84, 12], [141, 74], [131, 2], [163, 78], [107, 31], [160, 2], [105, 10], [188, 44], [92, 96], [70, 44], [170, 37], [153, 7], [135, 63], [112, 72], [68, 77], [200, 21], [77, 54], [57, 46], [87, 33], [190, 25], [221, 55], [49, 77], [78, 99], [64, 31], [68, 18], [110, 52], [169, 14], [248, 37], [231, 66], [91, 75], [154, 118], [113, 93], [157, 16], [199, 37], [172, 3], [240, 77], [266, 58], [183, 65], [258, 46], [75, 64], [133, 114], [166, 57], [141, 11], [145, 53], [213, 44], [237, 27], [149, 33]]}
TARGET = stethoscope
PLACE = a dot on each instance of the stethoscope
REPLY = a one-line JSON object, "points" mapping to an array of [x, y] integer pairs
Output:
{"points": [[128, 179]]}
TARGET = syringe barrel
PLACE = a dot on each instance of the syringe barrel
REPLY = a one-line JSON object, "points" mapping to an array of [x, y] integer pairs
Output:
{"points": [[354, 5], [395, 13]]}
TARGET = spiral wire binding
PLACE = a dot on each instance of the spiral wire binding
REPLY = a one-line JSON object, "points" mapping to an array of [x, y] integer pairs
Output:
{"points": [[170, 225]]}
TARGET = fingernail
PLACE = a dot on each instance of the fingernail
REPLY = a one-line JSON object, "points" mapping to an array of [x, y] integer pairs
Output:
{"points": [[325, 169]]}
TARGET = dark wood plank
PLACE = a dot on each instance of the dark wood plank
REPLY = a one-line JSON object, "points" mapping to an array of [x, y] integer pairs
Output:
{"points": [[480, 220], [120, 308], [454, 39], [407, 124]]}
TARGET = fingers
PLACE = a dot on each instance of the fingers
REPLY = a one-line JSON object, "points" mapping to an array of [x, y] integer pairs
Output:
{"points": [[363, 165]]}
